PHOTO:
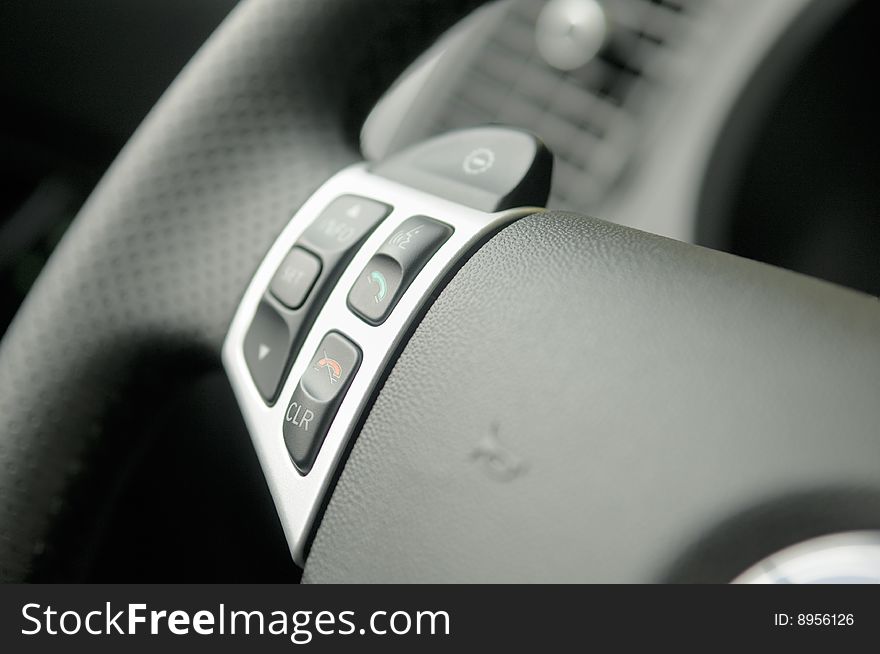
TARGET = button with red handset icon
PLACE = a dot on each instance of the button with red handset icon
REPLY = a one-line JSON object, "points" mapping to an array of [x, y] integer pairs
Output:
{"points": [[317, 397], [332, 366]]}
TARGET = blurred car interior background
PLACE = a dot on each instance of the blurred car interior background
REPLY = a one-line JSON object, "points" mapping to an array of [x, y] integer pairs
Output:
{"points": [[788, 179]]}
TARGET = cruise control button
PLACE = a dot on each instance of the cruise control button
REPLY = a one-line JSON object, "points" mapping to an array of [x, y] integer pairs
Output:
{"points": [[488, 168], [317, 397], [343, 223], [295, 277], [266, 348], [391, 270]]}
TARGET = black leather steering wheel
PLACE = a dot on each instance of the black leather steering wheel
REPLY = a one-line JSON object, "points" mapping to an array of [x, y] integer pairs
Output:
{"points": [[673, 413]]}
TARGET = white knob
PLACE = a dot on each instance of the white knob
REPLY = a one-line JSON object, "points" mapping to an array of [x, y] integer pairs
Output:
{"points": [[569, 33]]}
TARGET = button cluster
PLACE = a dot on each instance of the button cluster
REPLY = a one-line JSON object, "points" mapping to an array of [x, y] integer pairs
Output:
{"points": [[295, 295], [488, 169], [449, 194], [320, 390], [300, 286]]}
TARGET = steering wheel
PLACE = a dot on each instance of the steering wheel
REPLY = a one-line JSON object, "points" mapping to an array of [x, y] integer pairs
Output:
{"points": [[669, 413]]}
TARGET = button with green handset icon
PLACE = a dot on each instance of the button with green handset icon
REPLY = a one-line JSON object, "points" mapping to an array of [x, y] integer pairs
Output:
{"points": [[394, 266], [377, 278], [374, 292]]}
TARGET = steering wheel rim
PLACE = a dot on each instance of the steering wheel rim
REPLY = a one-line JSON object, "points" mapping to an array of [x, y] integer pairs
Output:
{"points": [[151, 270]]}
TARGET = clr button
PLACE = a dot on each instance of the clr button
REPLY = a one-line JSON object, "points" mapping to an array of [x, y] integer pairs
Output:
{"points": [[317, 397]]}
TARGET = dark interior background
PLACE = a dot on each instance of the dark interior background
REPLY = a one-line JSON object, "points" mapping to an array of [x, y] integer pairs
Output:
{"points": [[76, 78], [805, 196]]}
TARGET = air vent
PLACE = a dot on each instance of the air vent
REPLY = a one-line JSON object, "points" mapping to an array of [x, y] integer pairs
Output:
{"points": [[592, 117]]}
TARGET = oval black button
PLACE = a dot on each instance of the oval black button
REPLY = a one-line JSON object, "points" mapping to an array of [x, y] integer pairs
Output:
{"points": [[392, 269], [487, 168], [317, 397], [266, 348]]}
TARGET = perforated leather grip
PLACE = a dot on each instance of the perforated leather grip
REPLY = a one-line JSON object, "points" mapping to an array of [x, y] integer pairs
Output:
{"points": [[147, 278]]}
